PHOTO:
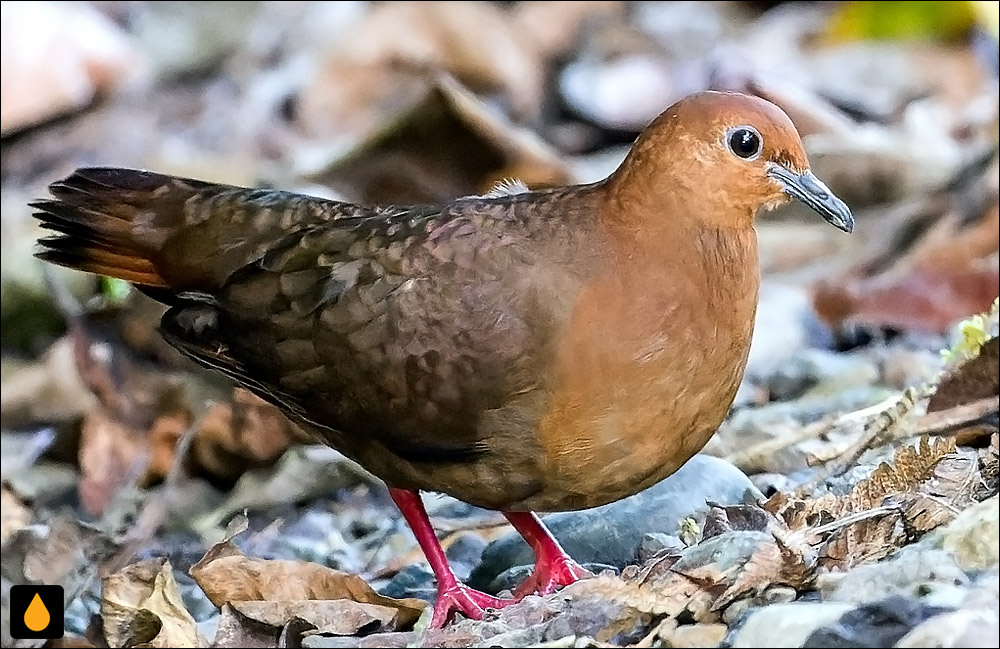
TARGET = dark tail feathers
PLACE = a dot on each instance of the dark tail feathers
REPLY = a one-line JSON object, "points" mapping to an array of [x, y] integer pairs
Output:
{"points": [[94, 217]]}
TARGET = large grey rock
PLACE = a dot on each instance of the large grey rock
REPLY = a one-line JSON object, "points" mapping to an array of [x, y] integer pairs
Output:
{"points": [[612, 534]]}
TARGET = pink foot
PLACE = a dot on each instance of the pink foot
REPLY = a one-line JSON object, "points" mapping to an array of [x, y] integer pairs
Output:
{"points": [[549, 576], [462, 599], [553, 567], [453, 596]]}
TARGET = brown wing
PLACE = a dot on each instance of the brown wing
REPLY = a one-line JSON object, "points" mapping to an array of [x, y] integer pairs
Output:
{"points": [[424, 331], [402, 328]]}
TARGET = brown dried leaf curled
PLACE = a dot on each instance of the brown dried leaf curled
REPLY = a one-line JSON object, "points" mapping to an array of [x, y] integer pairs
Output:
{"points": [[141, 606], [227, 576]]}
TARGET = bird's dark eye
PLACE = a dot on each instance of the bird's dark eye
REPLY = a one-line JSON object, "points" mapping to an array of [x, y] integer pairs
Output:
{"points": [[745, 142]]}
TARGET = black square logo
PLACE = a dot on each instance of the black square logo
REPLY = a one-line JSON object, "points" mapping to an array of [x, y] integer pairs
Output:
{"points": [[36, 612]]}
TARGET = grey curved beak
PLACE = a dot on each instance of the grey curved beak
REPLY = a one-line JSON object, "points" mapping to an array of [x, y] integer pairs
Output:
{"points": [[809, 189]]}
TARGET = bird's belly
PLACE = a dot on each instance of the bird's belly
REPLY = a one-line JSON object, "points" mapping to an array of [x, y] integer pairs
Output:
{"points": [[601, 450], [640, 389]]}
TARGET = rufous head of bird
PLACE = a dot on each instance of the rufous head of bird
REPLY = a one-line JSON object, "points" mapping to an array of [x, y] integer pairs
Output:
{"points": [[721, 158]]}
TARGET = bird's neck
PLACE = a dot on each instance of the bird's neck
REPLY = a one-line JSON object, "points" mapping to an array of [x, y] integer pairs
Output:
{"points": [[654, 210]]}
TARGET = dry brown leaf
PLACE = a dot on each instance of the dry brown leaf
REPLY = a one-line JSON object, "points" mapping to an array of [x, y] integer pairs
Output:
{"points": [[234, 630], [14, 514], [670, 594], [141, 606], [950, 273], [927, 485], [133, 401], [380, 67], [713, 573], [972, 380], [56, 58], [227, 576], [109, 459], [282, 624], [131, 435], [244, 432], [65, 552], [237, 630], [49, 391], [445, 145], [114, 453], [787, 561], [331, 616], [553, 28], [749, 551]]}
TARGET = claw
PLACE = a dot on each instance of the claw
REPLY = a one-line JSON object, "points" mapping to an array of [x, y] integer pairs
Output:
{"points": [[550, 575], [460, 598]]}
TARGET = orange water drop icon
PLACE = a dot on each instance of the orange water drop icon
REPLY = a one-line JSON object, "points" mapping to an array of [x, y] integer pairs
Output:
{"points": [[36, 617]]}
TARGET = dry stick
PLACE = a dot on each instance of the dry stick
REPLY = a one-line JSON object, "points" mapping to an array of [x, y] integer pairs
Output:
{"points": [[810, 431], [945, 421], [877, 432], [885, 427], [851, 519]]}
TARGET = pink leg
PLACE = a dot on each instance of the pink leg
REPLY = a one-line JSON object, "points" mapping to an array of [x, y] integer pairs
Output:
{"points": [[452, 595], [553, 567]]}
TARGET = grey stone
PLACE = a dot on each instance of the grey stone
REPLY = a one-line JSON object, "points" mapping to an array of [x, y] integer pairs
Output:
{"points": [[786, 625], [654, 543], [736, 611], [914, 571], [611, 534], [956, 629], [779, 595], [973, 538], [510, 579], [415, 580], [875, 624], [464, 553]]}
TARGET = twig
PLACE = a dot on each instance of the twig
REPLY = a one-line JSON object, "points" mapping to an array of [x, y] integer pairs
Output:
{"points": [[865, 417], [857, 517], [876, 433], [945, 421]]}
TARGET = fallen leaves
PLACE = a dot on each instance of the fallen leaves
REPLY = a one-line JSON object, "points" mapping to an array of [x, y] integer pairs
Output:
{"points": [[271, 593], [430, 101], [386, 59], [14, 514], [338, 617], [240, 433], [49, 390], [131, 417], [447, 143], [748, 551], [972, 381], [923, 488], [949, 273], [141, 606], [59, 552], [93, 56]]}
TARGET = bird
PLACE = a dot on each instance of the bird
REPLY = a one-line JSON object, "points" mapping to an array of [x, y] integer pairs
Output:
{"points": [[522, 351]]}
